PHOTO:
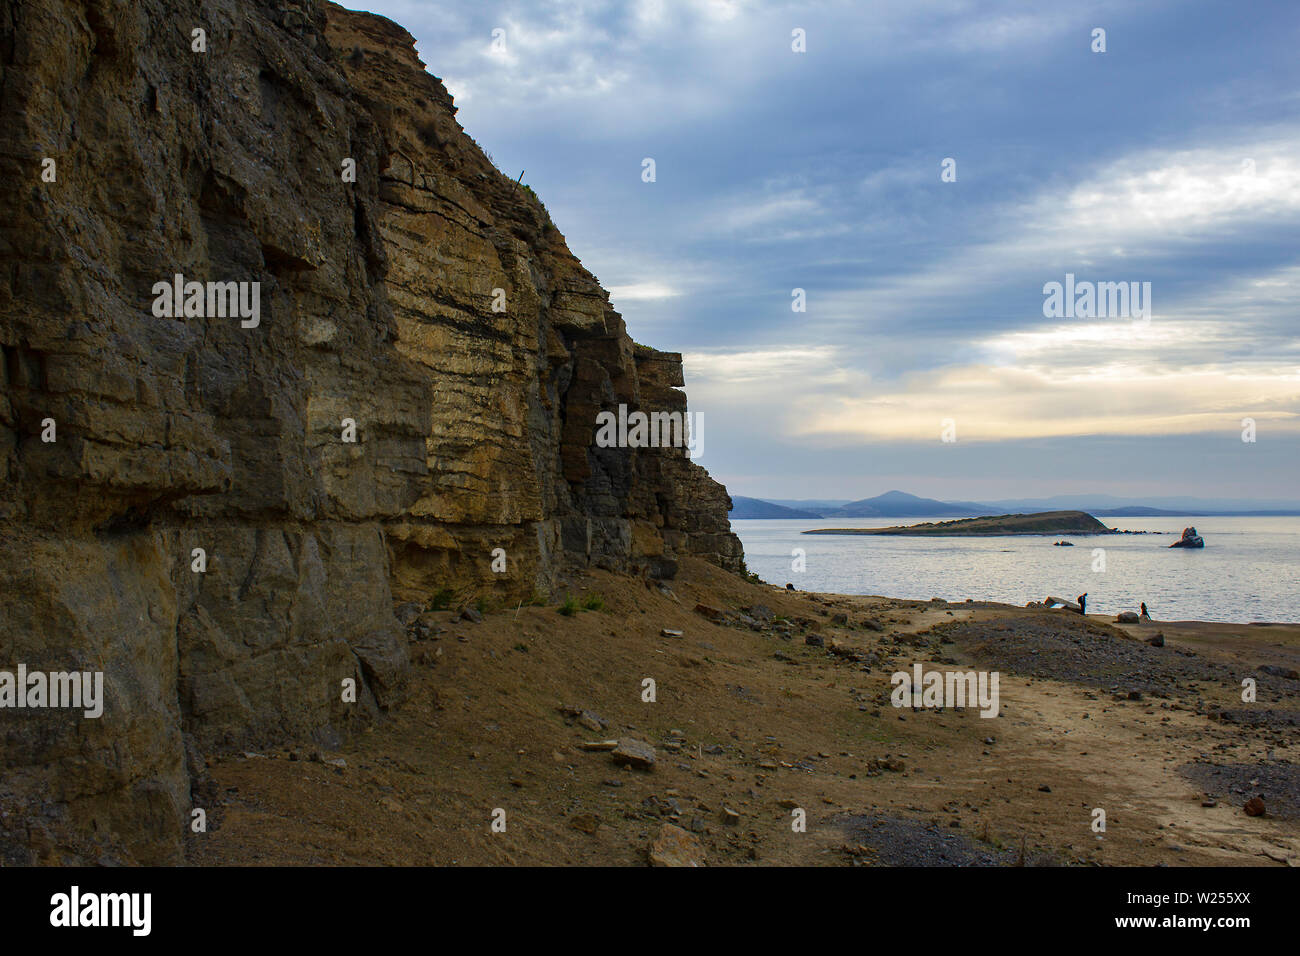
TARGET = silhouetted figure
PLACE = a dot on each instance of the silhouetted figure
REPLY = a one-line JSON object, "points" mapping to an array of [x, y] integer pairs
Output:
{"points": [[1144, 611], [1083, 602]]}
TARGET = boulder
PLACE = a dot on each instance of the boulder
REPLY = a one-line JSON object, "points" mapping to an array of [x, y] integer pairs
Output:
{"points": [[1277, 671], [676, 847], [1190, 539], [635, 753], [407, 613], [712, 613], [1127, 617], [1056, 602]]}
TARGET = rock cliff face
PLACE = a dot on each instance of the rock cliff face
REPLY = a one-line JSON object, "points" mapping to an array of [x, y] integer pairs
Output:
{"points": [[130, 440]]}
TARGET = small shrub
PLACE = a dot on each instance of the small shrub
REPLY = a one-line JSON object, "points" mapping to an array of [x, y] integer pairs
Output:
{"points": [[569, 607], [594, 603], [441, 600]]}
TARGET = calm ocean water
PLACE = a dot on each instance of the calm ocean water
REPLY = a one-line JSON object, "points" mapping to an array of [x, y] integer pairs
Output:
{"points": [[1249, 569]]}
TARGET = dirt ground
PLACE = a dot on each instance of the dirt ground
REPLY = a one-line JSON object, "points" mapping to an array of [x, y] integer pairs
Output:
{"points": [[751, 724]]}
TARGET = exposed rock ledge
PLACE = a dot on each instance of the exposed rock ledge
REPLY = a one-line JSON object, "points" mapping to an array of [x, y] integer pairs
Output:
{"points": [[474, 427]]}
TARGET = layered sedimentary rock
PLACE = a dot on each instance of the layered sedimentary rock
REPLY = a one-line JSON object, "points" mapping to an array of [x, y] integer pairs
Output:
{"points": [[181, 504]]}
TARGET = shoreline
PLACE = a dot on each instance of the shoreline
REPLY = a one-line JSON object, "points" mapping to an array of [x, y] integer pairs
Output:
{"points": [[989, 604]]}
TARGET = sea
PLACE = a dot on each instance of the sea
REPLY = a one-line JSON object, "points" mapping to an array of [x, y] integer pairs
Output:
{"points": [[1249, 569]]}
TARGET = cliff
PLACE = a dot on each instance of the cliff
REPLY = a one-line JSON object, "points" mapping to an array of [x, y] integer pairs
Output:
{"points": [[131, 439]]}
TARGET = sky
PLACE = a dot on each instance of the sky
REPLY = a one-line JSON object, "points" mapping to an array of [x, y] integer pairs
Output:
{"points": [[923, 170]]}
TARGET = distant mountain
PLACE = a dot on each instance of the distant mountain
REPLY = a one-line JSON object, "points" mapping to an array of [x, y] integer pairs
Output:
{"points": [[1142, 511], [757, 508], [899, 504], [816, 505]]}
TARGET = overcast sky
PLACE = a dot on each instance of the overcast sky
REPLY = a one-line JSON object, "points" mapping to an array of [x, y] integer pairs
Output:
{"points": [[1172, 158]]}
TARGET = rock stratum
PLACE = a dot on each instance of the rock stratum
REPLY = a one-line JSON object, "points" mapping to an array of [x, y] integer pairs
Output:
{"points": [[474, 428]]}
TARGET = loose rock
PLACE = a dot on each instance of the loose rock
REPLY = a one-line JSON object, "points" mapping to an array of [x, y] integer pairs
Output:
{"points": [[634, 753], [675, 847]]}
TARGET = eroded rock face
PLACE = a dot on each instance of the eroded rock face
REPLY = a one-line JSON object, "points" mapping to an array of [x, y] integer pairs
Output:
{"points": [[474, 427]]}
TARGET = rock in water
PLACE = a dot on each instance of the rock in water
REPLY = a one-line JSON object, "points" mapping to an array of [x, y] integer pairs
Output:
{"points": [[1190, 539], [675, 847]]}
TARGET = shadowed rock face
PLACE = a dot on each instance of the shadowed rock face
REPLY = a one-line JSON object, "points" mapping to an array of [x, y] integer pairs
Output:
{"points": [[474, 427]]}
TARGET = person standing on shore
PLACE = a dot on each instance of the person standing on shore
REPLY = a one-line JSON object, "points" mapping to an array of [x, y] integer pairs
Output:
{"points": [[1144, 615], [1083, 602]]}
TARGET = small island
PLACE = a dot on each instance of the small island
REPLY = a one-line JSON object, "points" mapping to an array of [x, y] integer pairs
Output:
{"points": [[1047, 522]]}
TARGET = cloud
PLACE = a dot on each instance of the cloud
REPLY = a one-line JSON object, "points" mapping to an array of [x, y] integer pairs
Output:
{"points": [[641, 291], [821, 170]]}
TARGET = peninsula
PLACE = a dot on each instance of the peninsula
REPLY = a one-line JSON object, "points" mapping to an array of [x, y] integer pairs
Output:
{"points": [[1049, 522]]}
